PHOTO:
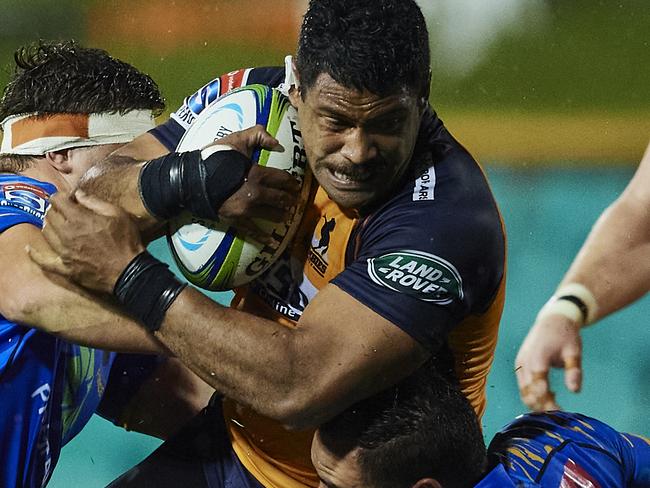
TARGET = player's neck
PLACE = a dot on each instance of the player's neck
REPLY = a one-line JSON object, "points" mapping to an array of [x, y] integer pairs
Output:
{"points": [[42, 171]]}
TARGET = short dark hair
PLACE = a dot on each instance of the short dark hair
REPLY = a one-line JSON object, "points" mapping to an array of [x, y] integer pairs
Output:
{"points": [[421, 428], [378, 45], [62, 77]]}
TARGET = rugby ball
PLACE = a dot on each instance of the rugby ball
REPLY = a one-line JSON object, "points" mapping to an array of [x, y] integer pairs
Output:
{"points": [[214, 255]]}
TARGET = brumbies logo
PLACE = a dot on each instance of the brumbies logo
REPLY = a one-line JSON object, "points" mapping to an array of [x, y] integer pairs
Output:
{"points": [[420, 274], [319, 246]]}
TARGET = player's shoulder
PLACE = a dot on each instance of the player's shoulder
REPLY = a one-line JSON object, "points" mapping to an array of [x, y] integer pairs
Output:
{"points": [[444, 195], [558, 427], [23, 199]]}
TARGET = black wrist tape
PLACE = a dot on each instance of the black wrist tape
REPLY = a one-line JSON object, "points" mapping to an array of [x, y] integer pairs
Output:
{"points": [[146, 288], [584, 310], [185, 181]]}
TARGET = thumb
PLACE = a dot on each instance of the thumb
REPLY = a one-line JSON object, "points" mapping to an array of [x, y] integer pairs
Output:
{"points": [[95, 204]]}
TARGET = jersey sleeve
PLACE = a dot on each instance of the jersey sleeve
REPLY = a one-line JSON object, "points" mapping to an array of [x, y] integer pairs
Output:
{"points": [[431, 256], [171, 132], [23, 200]]}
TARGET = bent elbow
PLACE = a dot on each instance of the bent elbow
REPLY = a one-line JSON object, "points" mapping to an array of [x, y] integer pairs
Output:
{"points": [[302, 411], [13, 307], [19, 306]]}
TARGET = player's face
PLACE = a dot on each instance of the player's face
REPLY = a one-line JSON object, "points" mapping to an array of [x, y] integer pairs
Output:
{"points": [[334, 471], [358, 144]]}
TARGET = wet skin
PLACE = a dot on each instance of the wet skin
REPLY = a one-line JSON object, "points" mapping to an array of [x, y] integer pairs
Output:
{"points": [[358, 144]]}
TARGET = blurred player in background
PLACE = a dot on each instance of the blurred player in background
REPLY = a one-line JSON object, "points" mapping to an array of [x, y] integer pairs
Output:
{"points": [[611, 271], [407, 259], [65, 108], [422, 433]]}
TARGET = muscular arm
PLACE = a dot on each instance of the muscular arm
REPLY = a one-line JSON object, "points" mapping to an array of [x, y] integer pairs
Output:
{"points": [[614, 261], [300, 376], [30, 296], [613, 266]]}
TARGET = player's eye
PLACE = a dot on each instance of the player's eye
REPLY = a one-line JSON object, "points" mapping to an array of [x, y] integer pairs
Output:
{"points": [[334, 124], [389, 124]]}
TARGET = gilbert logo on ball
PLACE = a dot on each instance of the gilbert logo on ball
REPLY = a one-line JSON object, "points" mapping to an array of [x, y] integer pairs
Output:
{"points": [[213, 255]]}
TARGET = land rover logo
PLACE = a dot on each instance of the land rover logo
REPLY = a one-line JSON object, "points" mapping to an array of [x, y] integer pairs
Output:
{"points": [[420, 274]]}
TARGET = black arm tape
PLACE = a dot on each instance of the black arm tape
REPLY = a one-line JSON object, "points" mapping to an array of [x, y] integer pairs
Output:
{"points": [[185, 181], [146, 288]]}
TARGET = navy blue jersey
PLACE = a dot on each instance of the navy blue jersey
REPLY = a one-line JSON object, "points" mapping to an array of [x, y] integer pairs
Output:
{"points": [[566, 450], [430, 259]]}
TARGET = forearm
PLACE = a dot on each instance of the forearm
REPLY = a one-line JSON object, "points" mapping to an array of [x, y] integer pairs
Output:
{"points": [[80, 318], [299, 376], [614, 262], [261, 373]]}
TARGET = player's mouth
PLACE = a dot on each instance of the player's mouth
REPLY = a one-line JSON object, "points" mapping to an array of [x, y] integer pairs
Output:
{"points": [[356, 179]]}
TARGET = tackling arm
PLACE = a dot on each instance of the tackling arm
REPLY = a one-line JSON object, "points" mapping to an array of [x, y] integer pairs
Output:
{"points": [[50, 302]]}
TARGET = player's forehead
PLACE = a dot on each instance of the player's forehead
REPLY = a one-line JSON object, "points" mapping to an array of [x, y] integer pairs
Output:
{"points": [[329, 97]]}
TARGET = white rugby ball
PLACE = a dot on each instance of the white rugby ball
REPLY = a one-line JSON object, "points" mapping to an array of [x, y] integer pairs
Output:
{"points": [[214, 255]]}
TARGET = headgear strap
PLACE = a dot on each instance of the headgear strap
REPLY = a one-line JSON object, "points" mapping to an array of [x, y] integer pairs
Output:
{"points": [[35, 134]]}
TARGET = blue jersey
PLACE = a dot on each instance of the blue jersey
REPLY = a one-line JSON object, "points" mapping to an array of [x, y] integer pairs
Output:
{"points": [[49, 388], [566, 450]]}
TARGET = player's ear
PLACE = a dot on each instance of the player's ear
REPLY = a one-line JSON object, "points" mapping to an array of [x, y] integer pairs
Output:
{"points": [[60, 160], [295, 94], [427, 483]]}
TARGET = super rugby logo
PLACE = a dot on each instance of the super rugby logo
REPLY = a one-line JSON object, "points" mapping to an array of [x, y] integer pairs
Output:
{"points": [[28, 198], [419, 274]]}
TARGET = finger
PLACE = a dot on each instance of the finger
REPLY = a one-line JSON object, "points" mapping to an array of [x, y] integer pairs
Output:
{"points": [[51, 235], [275, 178], [54, 218], [548, 403], [573, 373], [261, 138], [536, 392], [248, 229], [64, 204], [47, 260], [266, 212], [96, 205], [271, 197]]}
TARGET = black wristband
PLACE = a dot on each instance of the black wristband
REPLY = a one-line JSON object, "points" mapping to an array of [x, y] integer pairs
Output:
{"points": [[582, 306], [146, 288], [185, 181]]}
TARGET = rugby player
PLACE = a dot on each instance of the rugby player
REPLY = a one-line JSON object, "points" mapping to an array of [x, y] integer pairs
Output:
{"points": [[423, 433], [414, 263], [611, 271], [64, 108]]}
